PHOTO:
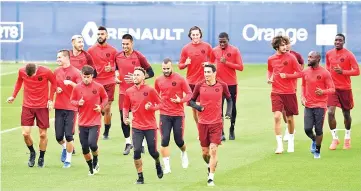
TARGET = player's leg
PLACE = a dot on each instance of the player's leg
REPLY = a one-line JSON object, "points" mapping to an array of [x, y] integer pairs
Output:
{"points": [[333, 102], [286, 134], [110, 89], [214, 131], [223, 136], [27, 121], [125, 128], [69, 129], [204, 142], [75, 125], [165, 129], [178, 134], [319, 114], [233, 91], [59, 132], [309, 122], [42, 121], [138, 136], [151, 138], [291, 108], [277, 108], [346, 100], [83, 137], [93, 145]]}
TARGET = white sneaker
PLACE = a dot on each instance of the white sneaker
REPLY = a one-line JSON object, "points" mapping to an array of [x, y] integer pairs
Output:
{"points": [[96, 169], [286, 137], [167, 171], [291, 148], [279, 150], [184, 158], [210, 183]]}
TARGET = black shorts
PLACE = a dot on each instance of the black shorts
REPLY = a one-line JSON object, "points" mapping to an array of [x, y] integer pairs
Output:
{"points": [[167, 123], [314, 118], [150, 135], [64, 124], [89, 137]]}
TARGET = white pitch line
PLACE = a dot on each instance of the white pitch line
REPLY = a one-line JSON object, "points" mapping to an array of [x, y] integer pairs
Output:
{"points": [[8, 73], [19, 127]]}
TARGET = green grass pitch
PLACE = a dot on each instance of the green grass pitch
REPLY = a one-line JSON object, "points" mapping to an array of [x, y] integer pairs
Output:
{"points": [[248, 163]]}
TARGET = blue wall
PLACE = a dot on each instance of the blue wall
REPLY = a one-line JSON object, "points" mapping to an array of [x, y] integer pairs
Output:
{"points": [[48, 26]]}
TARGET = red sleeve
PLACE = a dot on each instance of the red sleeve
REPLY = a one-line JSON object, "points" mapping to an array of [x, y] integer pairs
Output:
{"points": [[142, 60], [269, 69], [296, 67], [212, 58], [18, 84], [226, 93], [53, 85], [303, 90], [196, 92], [182, 59], [355, 70], [89, 59], [300, 59], [74, 98], [114, 53], [126, 106], [329, 83], [210, 52], [239, 64], [327, 63], [155, 99], [104, 97], [187, 90], [78, 78], [156, 87]]}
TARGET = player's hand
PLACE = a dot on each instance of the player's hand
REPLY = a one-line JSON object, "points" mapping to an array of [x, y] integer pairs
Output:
{"points": [[283, 75], [204, 63], [10, 99], [117, 80], [188, 61], [338, 69], [303, 101], [97, 108], [319, 91], [50, 104], [81, 101], [68, 82], [129, 78], [223, 60], [127, 121], [59, 90], [108, 68], [202, 109], [176, 100], [270, 80], [148, 105]]}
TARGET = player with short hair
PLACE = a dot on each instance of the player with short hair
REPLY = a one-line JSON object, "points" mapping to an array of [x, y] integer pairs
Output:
{"points": [[171, 86], [78, 56], [301, 62], [342, 64], [103, 55], [317, 84], [143, 101], [125, 62], [90, 98], [228, 59], [283, 95], [194, 56], [36, 104], [67, 76], [210, 124]]}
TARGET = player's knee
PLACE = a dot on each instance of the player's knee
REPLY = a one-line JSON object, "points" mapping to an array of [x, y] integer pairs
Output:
{"points": [[165, 141], [331, 113], [154, 153], [59, 138], [179, 142], [69, 138], [85, 150], [137, 154], [26, 134], [43, 135], [318, 131], [93, 146], [213, 149], [277, 116], [205, 152]]}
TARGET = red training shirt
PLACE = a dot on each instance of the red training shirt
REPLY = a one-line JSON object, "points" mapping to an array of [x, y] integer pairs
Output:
{"points": [[347, 61], [62, 100], [92, 94], [198, 53], [84, 58], [102, 56], [283, 63], [36, 87], [312, 79], [169, 87], [211, 99], [135, 99], [227, 71], [126, 65]]}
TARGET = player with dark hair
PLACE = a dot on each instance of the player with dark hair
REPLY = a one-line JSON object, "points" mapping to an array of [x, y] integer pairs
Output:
{"points": [[171, 86], [103, 55], [281, 66], [67, 76], [194, 56], [342, 64], [143, 101], [211, 93], [125, 62], [36, 104], [316, 86], [228, 59], [90, 98]]}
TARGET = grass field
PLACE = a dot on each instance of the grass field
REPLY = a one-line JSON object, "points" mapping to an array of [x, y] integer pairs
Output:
{"points": [[248, 163]]}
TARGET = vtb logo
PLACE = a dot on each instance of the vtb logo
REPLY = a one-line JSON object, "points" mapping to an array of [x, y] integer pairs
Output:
{"points": [[11, 32]]}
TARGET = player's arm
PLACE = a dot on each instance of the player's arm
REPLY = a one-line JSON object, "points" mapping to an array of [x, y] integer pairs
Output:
{"points": [[74, 98], [269, 72], [300, 60], [182, 61], [238, 65], [193, 100], [156, 86], [296, 67], [212, 57], [329, 84], [227, 95], [187, 90], [303, 91], [156, 101], [90, 62], [18, 84], [355, 70], [145, 64], [126, 106], [104, 97], [327, 64], [53, 85]]}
